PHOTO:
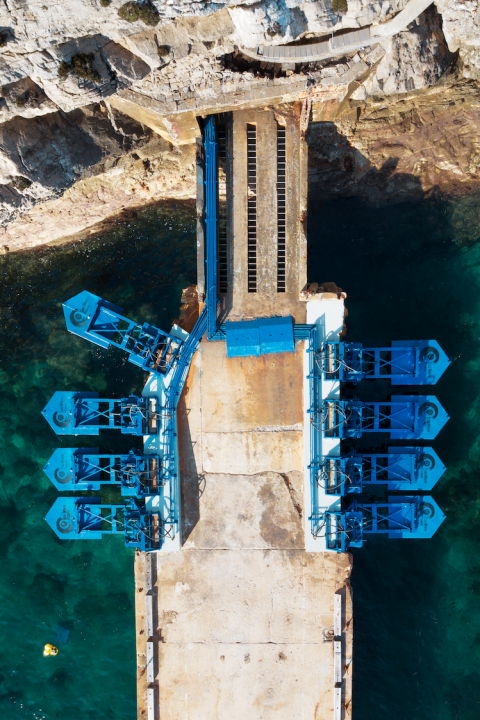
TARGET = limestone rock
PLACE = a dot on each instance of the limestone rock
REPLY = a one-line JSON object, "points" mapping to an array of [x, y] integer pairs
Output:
{"points": [[127, 66]]}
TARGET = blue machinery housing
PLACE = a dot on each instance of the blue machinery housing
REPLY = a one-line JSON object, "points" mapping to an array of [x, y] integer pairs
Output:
{"points": [[141, 476]]}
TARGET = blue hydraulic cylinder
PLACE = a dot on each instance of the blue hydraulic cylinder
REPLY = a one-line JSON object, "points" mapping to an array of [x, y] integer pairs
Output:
{"points": [[406, 417], [402, 469], [97, 320], [85, 518], [84, 413], [406, 362], [84, 469]]}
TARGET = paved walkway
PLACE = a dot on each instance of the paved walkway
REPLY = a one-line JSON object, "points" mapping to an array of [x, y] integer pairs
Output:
{"points": [[338, 44]]}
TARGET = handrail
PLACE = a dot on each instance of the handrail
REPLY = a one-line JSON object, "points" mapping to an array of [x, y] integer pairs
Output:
{"points": [[211, 223]]}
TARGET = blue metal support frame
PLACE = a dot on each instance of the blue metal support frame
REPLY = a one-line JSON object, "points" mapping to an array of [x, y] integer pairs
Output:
{"points": [[401, 469], [409, 362], [84, 413], [401, 517], [85, 469], [83, 518], [97, 320], [211, 224], [314, 378], [406, 417]]}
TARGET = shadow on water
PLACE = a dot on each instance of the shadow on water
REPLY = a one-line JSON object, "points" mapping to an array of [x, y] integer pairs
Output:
{"points": [[79, 595], [412, 270]]}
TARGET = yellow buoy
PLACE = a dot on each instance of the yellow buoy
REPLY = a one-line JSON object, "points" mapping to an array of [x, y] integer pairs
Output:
{"points": [[49, 650]]}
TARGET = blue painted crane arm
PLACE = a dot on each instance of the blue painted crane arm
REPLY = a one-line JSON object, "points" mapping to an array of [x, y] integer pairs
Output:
{"points": [[94, 319]]}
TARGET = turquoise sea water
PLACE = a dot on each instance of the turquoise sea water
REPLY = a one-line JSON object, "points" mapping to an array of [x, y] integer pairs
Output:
{"points": [[410, 271], [78, 595], [413, 271]]}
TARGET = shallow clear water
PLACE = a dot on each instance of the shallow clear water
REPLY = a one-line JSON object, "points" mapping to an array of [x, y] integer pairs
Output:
{"points": [[413, 271], [78, 595]]}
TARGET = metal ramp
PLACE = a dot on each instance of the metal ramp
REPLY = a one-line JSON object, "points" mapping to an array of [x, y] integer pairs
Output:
{"points": [[101, 322], [84, 469], [401, 469], [406, 417], [402, 517], [85, 518], [408, 362], [84, 413]]}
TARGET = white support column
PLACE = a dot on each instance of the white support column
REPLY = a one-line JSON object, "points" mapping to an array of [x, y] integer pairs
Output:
{"points": [[337, 616], [151, 703], [150, 663], [149, 615]]}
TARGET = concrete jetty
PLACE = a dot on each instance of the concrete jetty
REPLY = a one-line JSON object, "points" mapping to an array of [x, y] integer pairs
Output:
{"points": [[245, 621]]}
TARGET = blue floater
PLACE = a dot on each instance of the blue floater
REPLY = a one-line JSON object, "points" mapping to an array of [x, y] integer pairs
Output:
{"points": [[97, 320], [84, 413], [402, 517], [85, 518], [406, 362], [406, 417], [84, 469], [402, 469]]}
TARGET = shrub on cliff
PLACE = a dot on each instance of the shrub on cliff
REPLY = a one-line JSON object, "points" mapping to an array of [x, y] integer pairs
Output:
{"points": [[20, 183], [63, 69], [105, 3], [83, 67], [339, 6], [144, 11]]}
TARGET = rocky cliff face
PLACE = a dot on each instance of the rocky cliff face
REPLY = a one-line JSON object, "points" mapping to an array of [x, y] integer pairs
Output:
{"points": [[69, 159]]}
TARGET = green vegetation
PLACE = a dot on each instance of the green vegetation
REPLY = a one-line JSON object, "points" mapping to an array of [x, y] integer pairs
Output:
{"points": [[163, 50], [82, 66], [144, 11], [4, 92], [339, 6], [63, 69], [20, 183], [20, 102], [3, 39], [105, 3]]}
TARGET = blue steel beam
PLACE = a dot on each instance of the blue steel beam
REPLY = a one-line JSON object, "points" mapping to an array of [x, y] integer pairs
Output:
{"points": [[84, 413], [85, 518], [401, 469], [406, 417], [84, 469], [97, 320], [211, 224], [408, 362]]}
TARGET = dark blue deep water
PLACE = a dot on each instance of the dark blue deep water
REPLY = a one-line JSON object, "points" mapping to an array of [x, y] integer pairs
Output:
{"points": [[77, 595], [413, 271]]}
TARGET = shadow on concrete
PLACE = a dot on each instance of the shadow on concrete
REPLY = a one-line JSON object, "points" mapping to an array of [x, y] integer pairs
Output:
{"points": [[192, 483]]}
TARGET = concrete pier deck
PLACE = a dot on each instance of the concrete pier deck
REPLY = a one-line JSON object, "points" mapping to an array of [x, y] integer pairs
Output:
{"points": [[242, 615], [244, 622]]}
